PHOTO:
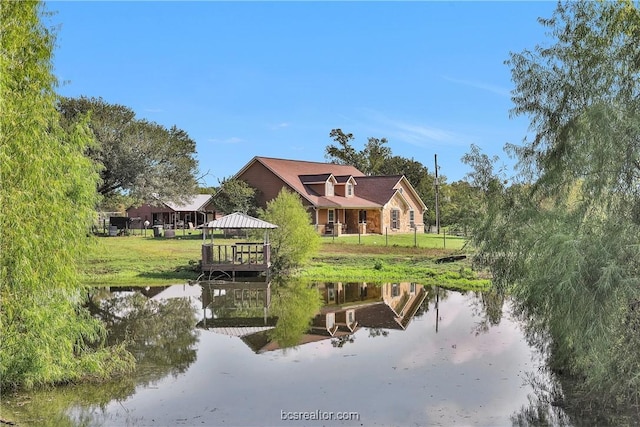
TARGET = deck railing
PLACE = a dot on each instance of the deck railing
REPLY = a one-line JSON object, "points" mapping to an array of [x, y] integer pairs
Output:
{"points": [[238, 254]]}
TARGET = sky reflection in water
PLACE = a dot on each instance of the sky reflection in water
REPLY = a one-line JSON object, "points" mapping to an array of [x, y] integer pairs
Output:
{"points": [[410, 377]]}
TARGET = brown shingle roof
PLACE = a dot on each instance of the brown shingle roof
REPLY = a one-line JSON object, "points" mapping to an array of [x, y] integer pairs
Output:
{"points": [[346, 202], [377, 188], [314, 179], [290, 172], [343, 178], [371, 192]]}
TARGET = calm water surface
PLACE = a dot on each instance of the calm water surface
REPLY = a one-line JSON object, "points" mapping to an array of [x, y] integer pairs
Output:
{"points": [[449, 359]]}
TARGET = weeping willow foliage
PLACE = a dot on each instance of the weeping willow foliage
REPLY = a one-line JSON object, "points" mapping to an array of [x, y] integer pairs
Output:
{"points": [[566, 241], [47, 194]]}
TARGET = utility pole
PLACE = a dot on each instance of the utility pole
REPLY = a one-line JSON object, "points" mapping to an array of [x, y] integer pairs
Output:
{"points": [[437, 206]]}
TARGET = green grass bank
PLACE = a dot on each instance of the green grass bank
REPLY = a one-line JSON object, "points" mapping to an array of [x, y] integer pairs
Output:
{"points": [[149, 261]]}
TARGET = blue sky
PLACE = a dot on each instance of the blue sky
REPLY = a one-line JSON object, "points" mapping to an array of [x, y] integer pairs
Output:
{"points": [[273, 78]]}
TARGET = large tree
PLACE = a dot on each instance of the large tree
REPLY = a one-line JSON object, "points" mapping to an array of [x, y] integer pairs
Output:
{"points": [[141, 159], [235, 195], [566, 244], [370, 160], [47, 194], [459, 205]]}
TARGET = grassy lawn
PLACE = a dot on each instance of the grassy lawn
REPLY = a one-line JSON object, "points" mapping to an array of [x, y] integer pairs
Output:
{"points": [[419, 240], [148, 261], [139, 260], [347, 261]]}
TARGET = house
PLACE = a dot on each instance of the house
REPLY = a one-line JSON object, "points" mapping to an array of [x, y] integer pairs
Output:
{"points": [[194, 210], [339, 198]]}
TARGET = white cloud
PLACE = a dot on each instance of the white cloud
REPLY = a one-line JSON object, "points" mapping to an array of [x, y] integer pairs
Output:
{"points": [[280, 126], [419, 134], [498, 90]]}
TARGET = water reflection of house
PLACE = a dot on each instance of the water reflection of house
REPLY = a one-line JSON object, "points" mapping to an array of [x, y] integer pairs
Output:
{"points": [[344, 293], [389, 306], [261, 342], [332, 322], [348, 306]]}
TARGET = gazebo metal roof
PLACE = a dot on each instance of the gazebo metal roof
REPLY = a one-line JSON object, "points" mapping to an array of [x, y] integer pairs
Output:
{"points": [[240, 220]]}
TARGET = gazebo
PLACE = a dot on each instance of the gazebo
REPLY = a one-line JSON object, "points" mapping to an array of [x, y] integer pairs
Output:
{"points": [[244, 257]]}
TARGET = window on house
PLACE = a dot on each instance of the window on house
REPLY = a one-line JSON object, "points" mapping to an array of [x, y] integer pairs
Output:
{"points": [[329, 188], [332, 216], [395, 218], [412, 218], [349, 189], [363, 217], [395, 290]]}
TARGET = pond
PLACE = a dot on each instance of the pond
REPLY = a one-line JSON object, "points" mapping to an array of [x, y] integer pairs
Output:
{"points": [[386, 355]]}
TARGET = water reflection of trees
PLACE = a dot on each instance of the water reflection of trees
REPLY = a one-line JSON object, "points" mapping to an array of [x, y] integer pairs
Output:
{"points": [[341, 341], [558, 402], [489, 307], [295, 304], [160, 334], [558, 399], [545, 404], [377, 332]]}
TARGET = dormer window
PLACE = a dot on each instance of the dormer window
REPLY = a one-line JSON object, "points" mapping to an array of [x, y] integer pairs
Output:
{"points": [[329, 190], [349, 189]]}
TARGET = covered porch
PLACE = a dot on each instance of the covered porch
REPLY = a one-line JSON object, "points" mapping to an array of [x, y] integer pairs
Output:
{"points": [[340, 221]]}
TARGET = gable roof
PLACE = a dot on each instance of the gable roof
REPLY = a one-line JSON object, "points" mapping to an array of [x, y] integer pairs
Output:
{"points": [[343, 179], [290, 172], [382, 188], [382, 315], [377, 188], [299, 175], [190, 204]]}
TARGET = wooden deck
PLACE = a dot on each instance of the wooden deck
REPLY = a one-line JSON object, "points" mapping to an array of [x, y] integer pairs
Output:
{"points": [[236, 257]]}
